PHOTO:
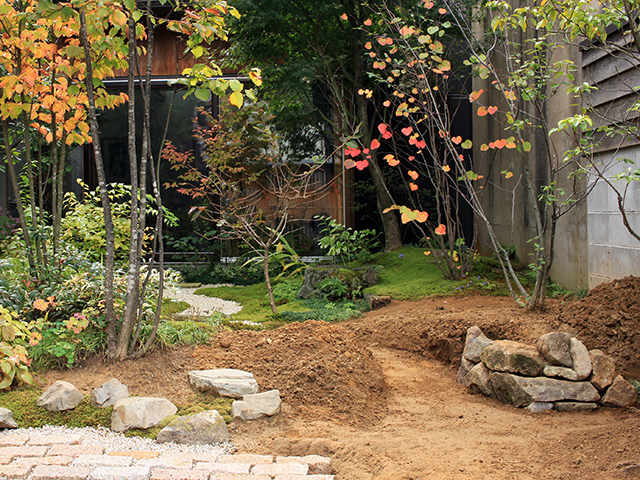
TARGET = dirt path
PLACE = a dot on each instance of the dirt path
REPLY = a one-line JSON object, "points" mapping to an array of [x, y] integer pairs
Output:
{"points": [[435, 429], [379, 395]]}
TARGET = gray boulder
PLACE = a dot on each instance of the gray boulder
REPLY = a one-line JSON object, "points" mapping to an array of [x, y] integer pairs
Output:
{"points": [[109, 393], [6, 419], [604, 369], [562, 372], [580, 359], [140, 412], [574, 406], [60, 396], [224, 382], [260, 405], [474, 344], [555, 348], [522, 391], [479, 379], [465, 367], [199, 429], [620, 394], [513, 357], [538, 407]]}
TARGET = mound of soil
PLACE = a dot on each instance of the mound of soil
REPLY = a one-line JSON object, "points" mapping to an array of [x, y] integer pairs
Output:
{"points": [[315, 365], [437, 327], [608, 318]]}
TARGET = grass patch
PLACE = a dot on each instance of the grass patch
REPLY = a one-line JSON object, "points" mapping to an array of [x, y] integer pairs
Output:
{"points": [[22, 402], [256, 312], [171, 307], [407, 274]]}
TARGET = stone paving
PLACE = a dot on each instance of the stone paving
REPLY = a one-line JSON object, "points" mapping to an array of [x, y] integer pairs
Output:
{"points": [[65, 457]]}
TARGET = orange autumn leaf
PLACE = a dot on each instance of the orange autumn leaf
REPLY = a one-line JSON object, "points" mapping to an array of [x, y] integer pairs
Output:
{"points": [[446, 168], [473, 96], [422, 217], [413, 186], [457, 140], [482, 111], [500, 143], [440, 230], [375, 144], [407, 131], [442, 11], [40, 304], [492, 110], [413, 174], [427, 253], [391, 160], [368, 22]]}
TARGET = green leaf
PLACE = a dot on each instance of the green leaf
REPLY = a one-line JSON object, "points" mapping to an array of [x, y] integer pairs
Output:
{"points": [[526, 146], [236, 85], [198, 51], [203, 94]]}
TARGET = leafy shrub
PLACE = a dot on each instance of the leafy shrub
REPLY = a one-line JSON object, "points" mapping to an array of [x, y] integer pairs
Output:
{"points": [[182, 332], [286, 291], [236, 273], [347, 244], [333, 288], [14, 364]]}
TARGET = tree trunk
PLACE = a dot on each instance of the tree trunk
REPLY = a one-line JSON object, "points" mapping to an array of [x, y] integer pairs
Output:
{"points": [[104, 194]]}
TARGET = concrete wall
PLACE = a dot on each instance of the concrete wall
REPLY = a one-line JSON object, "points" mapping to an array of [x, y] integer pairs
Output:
{"points": [[613, 252]]}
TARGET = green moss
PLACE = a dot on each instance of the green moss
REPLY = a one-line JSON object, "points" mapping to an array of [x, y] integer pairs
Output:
{"points": [[22, 402]]}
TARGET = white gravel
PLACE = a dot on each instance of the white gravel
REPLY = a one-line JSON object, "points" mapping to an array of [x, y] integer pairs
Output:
{"points": [[201, 305], [112, 441]]}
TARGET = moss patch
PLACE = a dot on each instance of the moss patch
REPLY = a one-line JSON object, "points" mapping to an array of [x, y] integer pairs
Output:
{"points": [[22, 402]]}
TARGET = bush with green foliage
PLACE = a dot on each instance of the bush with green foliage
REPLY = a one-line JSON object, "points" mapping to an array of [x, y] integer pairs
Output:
{"points": [[346, 244], [14, 364]]}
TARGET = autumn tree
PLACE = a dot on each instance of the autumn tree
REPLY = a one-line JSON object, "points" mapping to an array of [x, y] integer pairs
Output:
{"points": [[251, 190], [312, 56]]}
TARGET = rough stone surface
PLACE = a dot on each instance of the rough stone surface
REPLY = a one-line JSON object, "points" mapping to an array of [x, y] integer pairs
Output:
{"points": [[521, 391], [580, 359], [6, 419], [256, 406], [465, 367], [574, 406], [562, 372], [367, 276], [377, 301], [555, 348], [513, 357], [474, 344], [479, 379], [199, 429], [224, 382], [140, 412], [620, 394], [109, 393], [538, 407], [60, 396], [604, 369]]}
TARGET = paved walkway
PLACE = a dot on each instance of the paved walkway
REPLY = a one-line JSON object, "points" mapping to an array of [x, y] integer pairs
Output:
{"points": [[65, 457]]}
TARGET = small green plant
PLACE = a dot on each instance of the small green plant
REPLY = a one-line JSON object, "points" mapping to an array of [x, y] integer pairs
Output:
{"points": [[344, 243], [13, 353], [333, 288]]}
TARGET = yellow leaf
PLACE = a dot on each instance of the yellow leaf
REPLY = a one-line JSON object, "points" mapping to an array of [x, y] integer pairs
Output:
{"points": [[236, 99], [119, 18]]}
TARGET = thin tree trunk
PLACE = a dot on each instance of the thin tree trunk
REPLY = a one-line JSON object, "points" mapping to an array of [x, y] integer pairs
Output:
{"points": [[16, 193], [104, 194]]}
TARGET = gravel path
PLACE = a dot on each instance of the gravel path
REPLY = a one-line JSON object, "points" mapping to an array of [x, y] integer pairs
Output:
{"points": [[201, 305]]}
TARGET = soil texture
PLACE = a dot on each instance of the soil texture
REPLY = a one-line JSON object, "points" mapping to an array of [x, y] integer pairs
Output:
{"points": [[378, 394]]}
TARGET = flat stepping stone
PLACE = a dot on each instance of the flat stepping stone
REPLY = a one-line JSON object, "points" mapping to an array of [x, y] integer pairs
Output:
{"points": [[140, 412], [224, 382], [257, 405], [199, 429]]}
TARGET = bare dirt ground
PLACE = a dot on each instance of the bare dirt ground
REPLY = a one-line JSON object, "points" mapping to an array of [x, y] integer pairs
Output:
{"points": [[379, 394]]}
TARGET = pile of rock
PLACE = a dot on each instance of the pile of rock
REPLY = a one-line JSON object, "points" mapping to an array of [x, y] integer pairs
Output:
{"points": [[207, 427], [559, 373], [226, 382]]}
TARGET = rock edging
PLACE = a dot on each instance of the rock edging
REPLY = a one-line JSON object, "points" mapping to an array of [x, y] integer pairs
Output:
{"points": [[559, 373]]}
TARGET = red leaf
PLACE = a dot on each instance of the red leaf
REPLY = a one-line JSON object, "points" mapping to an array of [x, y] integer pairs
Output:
{"points": [[407, 131], [362, 164], [375, 144], [351, 151], [457, 140], [441, 230]]}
